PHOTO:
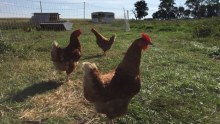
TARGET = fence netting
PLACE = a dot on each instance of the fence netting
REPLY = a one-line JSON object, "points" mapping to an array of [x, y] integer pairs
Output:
{"points": [[37, 15]]}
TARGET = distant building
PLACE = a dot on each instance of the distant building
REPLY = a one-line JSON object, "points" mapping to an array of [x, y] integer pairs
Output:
{"points": [[103, 17], [38, 18], [50, 21]]}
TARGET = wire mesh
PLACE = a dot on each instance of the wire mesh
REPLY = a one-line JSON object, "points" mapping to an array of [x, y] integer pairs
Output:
{"points": [[38, 15]]}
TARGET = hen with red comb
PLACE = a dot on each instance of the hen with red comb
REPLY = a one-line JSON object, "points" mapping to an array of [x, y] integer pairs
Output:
{"points": [[145, 36], [111, 92]]}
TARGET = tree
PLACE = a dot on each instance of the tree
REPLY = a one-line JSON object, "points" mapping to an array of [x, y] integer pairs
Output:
{"points": [[202, 11], [166, 10], [187, 13], [166, 5], [194, 6], [163, 14], [156, 15], [160, 14], [141, 9], [211, 2], [135, 14], [181, 12], [203, 8], [212, 8]]}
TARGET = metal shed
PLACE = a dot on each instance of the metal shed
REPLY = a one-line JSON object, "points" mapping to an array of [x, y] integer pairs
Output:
{"points": [[103, 17], [50, 21]]}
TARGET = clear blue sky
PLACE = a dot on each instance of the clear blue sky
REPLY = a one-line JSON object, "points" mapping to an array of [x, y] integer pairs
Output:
{"points": [[74, 8]]}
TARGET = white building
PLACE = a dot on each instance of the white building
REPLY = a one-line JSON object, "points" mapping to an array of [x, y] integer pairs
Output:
{"points": [[103, 17]]}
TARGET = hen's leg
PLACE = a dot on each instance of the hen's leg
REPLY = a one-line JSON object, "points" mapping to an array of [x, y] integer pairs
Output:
{"points": [[104, 54], [69, 71], [67, 78], [110, 121]]}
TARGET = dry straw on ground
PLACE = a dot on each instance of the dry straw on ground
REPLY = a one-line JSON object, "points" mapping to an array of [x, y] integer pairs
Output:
{"points": [[65, 101]]}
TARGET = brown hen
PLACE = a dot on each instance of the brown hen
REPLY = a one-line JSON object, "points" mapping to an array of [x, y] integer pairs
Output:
{"points": [[112, 92], [66, 59], [104, 43]]}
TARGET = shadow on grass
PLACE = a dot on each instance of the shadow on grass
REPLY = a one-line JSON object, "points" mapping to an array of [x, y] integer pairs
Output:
{"points": [[92, 57], [38, 88]]}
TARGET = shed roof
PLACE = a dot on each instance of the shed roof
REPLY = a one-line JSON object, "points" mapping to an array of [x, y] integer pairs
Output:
{"points": [[46, 13], [103, 12]]}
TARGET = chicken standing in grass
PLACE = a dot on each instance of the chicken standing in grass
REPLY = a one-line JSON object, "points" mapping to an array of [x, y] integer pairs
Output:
{"points": [[112, 92], [66, 59], [104, 43]]}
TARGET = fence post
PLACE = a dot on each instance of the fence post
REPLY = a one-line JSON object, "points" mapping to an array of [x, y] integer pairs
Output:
{"points": [[84, 10], [40, 7]]}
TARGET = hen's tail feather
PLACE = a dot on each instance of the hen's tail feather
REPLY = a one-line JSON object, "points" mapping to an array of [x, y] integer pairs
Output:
{"points": [[54, 51], [55, 44], [114, 36], [91, 81], [87, 66], [112, 39]]}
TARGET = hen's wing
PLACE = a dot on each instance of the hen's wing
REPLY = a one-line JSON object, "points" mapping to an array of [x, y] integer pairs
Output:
{"points": [[122, 86], [94, 84], [106, 78], [72, 55], [76, 54]]}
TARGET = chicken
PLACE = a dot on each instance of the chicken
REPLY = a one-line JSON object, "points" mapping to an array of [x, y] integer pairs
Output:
{"points": [[112, 92], [66, 59], [104, 43]]}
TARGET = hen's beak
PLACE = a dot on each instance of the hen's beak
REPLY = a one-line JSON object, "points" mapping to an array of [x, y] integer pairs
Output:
{"points": [[150, 43]]}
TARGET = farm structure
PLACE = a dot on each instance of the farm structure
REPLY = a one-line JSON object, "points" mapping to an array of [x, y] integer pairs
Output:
{"points": [[50, 21], [103, 17]]}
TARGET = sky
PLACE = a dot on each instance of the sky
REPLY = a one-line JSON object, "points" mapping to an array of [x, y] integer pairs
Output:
{"points": [[75, 8]]}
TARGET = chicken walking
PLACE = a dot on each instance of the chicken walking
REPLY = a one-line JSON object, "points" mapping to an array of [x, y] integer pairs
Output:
{"points": [[104, 43]]}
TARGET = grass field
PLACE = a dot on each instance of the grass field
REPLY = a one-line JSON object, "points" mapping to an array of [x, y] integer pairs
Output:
{"points": [[180, 74]]}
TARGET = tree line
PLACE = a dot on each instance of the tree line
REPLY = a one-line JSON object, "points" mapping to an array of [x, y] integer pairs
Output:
{"points": [[168, 10]]}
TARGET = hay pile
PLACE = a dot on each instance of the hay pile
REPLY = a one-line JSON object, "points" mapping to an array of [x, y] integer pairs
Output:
{"points": [[67, 101]]}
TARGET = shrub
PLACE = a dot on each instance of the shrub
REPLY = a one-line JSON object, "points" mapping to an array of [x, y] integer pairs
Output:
{"points": [[5, 47], [215, 54], [202, 31]]}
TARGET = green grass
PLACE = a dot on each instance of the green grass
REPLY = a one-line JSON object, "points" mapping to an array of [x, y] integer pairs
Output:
{"points": [[180, 74]]}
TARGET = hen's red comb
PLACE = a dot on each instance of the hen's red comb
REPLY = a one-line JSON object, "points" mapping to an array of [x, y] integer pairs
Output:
{"points": [[146, 37]]}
